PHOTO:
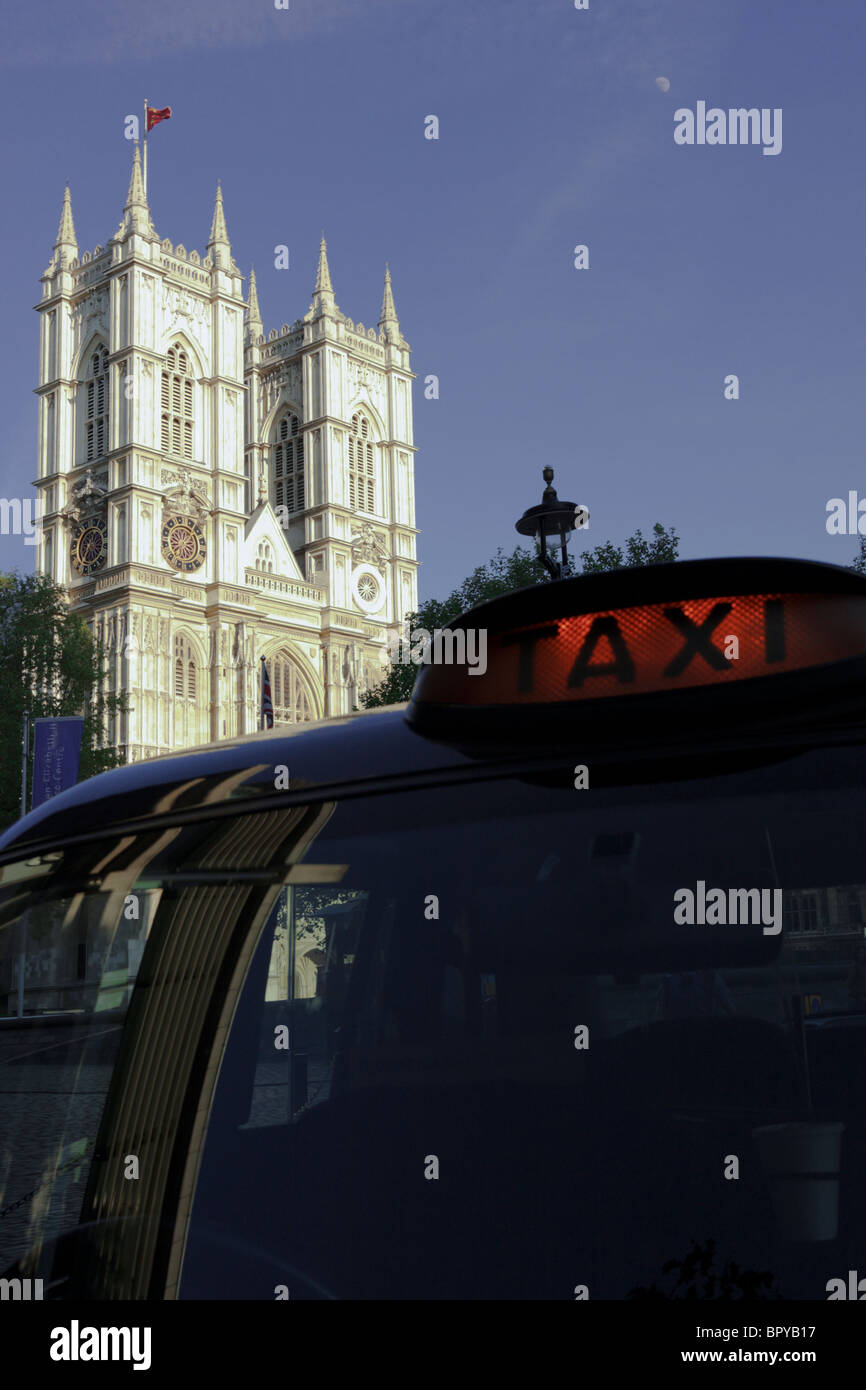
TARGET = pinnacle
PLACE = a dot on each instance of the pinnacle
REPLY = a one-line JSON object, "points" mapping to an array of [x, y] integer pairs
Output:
{"points": [[253, 312], [323, 274], [389, 313], [135, 197], [218, 232], [66, 229], [136, 213]]}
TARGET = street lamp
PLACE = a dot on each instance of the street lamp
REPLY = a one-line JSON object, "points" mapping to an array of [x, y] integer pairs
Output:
{"points": [[551, 525]]}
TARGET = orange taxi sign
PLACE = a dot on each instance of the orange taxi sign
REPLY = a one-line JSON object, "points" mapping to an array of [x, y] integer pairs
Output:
{"points": [[718, 639], [635, 651]]}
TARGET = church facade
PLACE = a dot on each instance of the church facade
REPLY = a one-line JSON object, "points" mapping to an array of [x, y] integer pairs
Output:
{"points": [[210, 494]]}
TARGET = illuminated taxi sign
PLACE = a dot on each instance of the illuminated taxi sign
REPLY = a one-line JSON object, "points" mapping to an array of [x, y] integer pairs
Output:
{"points": [[655, 647]]}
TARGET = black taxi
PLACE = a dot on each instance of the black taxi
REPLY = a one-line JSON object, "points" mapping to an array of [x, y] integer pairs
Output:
{"points": [[548, 985]]}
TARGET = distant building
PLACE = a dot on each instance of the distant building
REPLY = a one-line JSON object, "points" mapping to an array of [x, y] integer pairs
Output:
{"points": [[211, 495], [813, 917]]}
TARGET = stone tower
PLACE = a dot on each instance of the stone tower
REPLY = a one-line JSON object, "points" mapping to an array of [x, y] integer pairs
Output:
{"points": [[211, 495]]}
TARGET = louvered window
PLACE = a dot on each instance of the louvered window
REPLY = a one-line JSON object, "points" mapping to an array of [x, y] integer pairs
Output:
{"points": [[97, 406], [189, 717], [177, 405], [289, 491], [362, 470], [184, 669]]}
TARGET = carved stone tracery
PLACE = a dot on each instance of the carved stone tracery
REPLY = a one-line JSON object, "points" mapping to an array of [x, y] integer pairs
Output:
{"points": [[368, 548], [188, 497], [366, 379], [87, 497]]}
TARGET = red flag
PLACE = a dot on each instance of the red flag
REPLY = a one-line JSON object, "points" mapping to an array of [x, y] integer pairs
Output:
{"points": [[154, 117]]}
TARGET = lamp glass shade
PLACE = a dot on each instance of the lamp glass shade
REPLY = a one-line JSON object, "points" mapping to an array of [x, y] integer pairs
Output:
{"points": [[558, 530]]}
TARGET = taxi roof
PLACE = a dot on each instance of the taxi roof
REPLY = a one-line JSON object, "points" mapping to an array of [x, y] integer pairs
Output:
{"points": [[364, 749]]}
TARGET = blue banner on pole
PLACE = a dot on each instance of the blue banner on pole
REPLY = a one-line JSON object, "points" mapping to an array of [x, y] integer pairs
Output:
{"points": [[56, 754]]}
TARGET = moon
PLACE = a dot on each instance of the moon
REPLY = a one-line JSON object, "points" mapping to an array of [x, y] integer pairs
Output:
{"points": [[663, 84]]}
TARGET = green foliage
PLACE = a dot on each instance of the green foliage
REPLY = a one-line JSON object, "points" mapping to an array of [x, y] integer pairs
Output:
{"points": [[51, 666], [859, 564], [396, 685], [638, 551], [502, 575]]}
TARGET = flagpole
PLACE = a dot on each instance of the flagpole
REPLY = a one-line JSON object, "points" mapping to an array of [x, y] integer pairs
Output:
{"points": [[22, 948], [145, 149]]}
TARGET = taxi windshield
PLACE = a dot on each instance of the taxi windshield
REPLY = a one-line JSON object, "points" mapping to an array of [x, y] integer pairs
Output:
{"points": [[531, 981], [270, 1011]]}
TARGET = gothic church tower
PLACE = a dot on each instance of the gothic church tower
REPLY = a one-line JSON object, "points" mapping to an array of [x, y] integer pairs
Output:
{"points": [[211, 495]]}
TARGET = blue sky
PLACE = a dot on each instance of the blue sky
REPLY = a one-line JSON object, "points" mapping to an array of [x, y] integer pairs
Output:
{"points": [[704, 261]]}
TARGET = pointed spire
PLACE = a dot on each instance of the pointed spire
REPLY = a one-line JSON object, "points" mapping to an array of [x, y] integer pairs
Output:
{"points": [[389, 313], [135, 198], [323, 274], [66, 229], [253, 304], [323, 293], [66, 245], [219, 246], [218, 231], [136, 214], [254, 318]]}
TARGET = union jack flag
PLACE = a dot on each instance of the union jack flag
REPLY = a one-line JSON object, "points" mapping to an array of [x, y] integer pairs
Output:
{"points": [[267, 711]]}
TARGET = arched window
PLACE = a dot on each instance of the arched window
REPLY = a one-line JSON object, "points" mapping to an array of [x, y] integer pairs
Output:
{"points": [[187, 716], [362, 472], [96, 395], [177, 397], [184, 669], [293, 703], [289, 489], [265, 558]]}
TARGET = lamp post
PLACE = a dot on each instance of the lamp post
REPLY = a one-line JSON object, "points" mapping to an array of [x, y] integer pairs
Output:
{"points": [[551, 525]]}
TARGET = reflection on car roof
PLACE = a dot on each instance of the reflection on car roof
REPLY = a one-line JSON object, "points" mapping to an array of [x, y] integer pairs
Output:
{"points": [[363, 747]]}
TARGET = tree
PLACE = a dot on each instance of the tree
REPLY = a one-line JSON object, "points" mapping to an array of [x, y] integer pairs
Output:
{"points": [[859, 564], [659, 551], [502, 575], [51, 666]]}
